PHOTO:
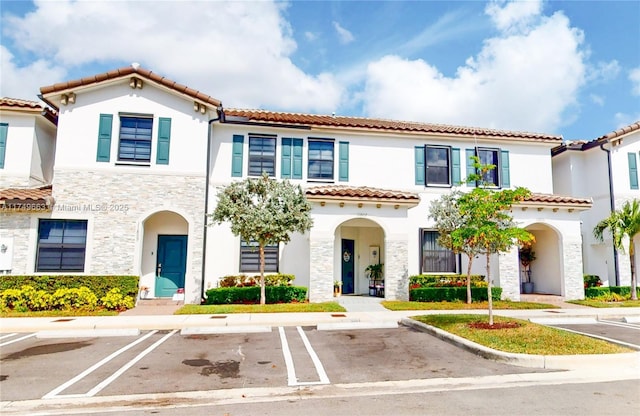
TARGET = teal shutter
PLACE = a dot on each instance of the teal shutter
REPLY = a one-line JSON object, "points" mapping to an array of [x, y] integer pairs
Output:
{"points": [[236, 158], [504, 163], [455, 166], [419, 168], [4, 129], [297, 159], [285, 170], [471, 170], [164, 137], [104, 138], [343, 169], [633, 171]]}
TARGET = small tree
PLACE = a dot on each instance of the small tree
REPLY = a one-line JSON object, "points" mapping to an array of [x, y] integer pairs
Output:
{"points": [[623, 223], [264, 211]]}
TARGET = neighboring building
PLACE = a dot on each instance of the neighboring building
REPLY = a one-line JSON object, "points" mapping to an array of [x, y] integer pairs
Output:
{"points": [[605, 170], [132, 183]]}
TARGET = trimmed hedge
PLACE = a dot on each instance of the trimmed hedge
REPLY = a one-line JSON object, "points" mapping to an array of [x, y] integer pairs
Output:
{"points": [[594, 292], [452, 294], [274, 294], [242, 280], [445, 280], [98, 284]]}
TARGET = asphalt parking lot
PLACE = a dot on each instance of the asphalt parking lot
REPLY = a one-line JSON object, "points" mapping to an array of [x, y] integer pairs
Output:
{"points": [[613, 330], [166, 361]]}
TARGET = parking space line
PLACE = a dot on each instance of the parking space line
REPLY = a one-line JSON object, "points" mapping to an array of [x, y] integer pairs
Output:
{"points": [[17, 339], [288, 359], [8, 335], [128, 365], [324, 379], [54, 393], [619, 324], [613, 341]]}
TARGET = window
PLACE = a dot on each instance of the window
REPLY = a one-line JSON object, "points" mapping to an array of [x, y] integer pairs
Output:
{"points": [[438, 162], [135, 139], [61, 245], [4, 129], [262, 155], [250, 257], [490, 157], [320, 160], [433, 257]]}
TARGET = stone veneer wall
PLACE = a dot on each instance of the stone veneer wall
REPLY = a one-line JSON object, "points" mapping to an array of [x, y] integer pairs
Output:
{"points": [[396, 278], [321, 270], [117, 201], [16, 225], [573, 276], [508, 275]]}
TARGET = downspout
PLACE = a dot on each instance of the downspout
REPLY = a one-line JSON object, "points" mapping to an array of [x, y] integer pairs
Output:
{"points": [[206, 198], [612, 206]]}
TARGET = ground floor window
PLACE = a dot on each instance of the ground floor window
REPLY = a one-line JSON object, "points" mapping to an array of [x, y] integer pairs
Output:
{"points": [[61, 245], [433, 257], [250, 257]]}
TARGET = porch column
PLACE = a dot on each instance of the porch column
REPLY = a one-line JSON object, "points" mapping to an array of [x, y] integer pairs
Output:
{"points": [[321, 270], [396, 275], [508, 275], [572, 268]]}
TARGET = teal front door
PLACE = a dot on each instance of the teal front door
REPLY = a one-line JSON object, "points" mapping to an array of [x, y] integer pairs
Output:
{"points": [[347, 266], [171, 264]]}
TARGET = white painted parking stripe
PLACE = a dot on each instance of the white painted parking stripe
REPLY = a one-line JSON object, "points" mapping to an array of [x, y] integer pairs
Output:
{"points": [[314, 357], [613, 341], [288, 359], [8, 335], [619, 324], [240, 329], [17, 340], [53, 393], [128, 365], [88, 333]]}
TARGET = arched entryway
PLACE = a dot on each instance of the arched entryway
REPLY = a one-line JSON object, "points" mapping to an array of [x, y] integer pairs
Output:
{"points": [[358, 243], [546, 271], [164, 256]]}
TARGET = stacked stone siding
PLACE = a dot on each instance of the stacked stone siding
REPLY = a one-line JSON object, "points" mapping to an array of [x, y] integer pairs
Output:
{"points": [[396, 281], [508, 275], [321, 274], [573, 278]]}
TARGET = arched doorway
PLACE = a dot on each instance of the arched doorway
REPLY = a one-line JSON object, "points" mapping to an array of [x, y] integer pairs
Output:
{"points": [[164, 253], [358, 243], [546, 271]]}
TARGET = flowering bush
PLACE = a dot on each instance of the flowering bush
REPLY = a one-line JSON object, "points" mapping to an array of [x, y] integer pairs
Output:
{"points": [[592, 280]]}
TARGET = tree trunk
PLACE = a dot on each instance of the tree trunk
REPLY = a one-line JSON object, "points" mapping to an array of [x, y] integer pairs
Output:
{"points": [[632, 263], [469, 300], [263, 295], [489, 289]]}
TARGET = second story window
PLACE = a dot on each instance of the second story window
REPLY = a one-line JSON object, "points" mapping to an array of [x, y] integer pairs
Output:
{"points": [[262, 155], [321, 158], [490, 157], [135, 139], [438, 164]]}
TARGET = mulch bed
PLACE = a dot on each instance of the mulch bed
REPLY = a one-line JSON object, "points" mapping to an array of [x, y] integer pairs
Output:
{"points": [[496, 325]]}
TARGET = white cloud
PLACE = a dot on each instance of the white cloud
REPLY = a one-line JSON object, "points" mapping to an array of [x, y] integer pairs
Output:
{"points": [[513, 16], [522, 81], [238, 52], [603, 71], [25, 82], [310, 36], [596, 99], [634, 77], [343, 34]]}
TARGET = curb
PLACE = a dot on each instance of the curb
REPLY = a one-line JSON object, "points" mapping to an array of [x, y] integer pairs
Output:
{"points": [[554, 362]]}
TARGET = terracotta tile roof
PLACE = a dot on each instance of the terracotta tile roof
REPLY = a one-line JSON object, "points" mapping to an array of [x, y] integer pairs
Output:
{"points": [[364, 193], [318, 120], [621, 131], [16, 104], [27, 199], [558, 200], [589, 144], [125, 72]]}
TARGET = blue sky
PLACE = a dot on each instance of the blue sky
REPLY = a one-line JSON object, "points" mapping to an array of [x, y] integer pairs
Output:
{"points": [[564, 67]]}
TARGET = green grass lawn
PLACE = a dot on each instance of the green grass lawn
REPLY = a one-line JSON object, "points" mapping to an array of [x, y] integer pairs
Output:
{"points": [[594, 303], [497, 304], [527, 338], [68, 312], [270, 308]]}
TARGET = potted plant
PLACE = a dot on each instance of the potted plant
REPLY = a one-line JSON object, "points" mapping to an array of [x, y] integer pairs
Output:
{"points": [[527, 256], [144, 292], [337, 288], [376, 282], [374, 271]]}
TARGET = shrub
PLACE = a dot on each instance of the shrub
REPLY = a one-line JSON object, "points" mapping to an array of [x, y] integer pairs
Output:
{"points": [[12, 299], [274, 294], [242, 280], [452, 294], [114, 300], [445, 280], [74, 298], [98, 284], [592, 280], [597, 292]]}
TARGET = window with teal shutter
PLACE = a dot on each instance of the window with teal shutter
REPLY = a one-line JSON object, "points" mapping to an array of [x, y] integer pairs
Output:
{"points": [[291, 158], [297, 159], [343, 168], [285, 169], [419, 165], [164, 137], [505, 180], [236, 157], [633, 171], [471, 170], [455, 166], [4, 129], [104, 138]]}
